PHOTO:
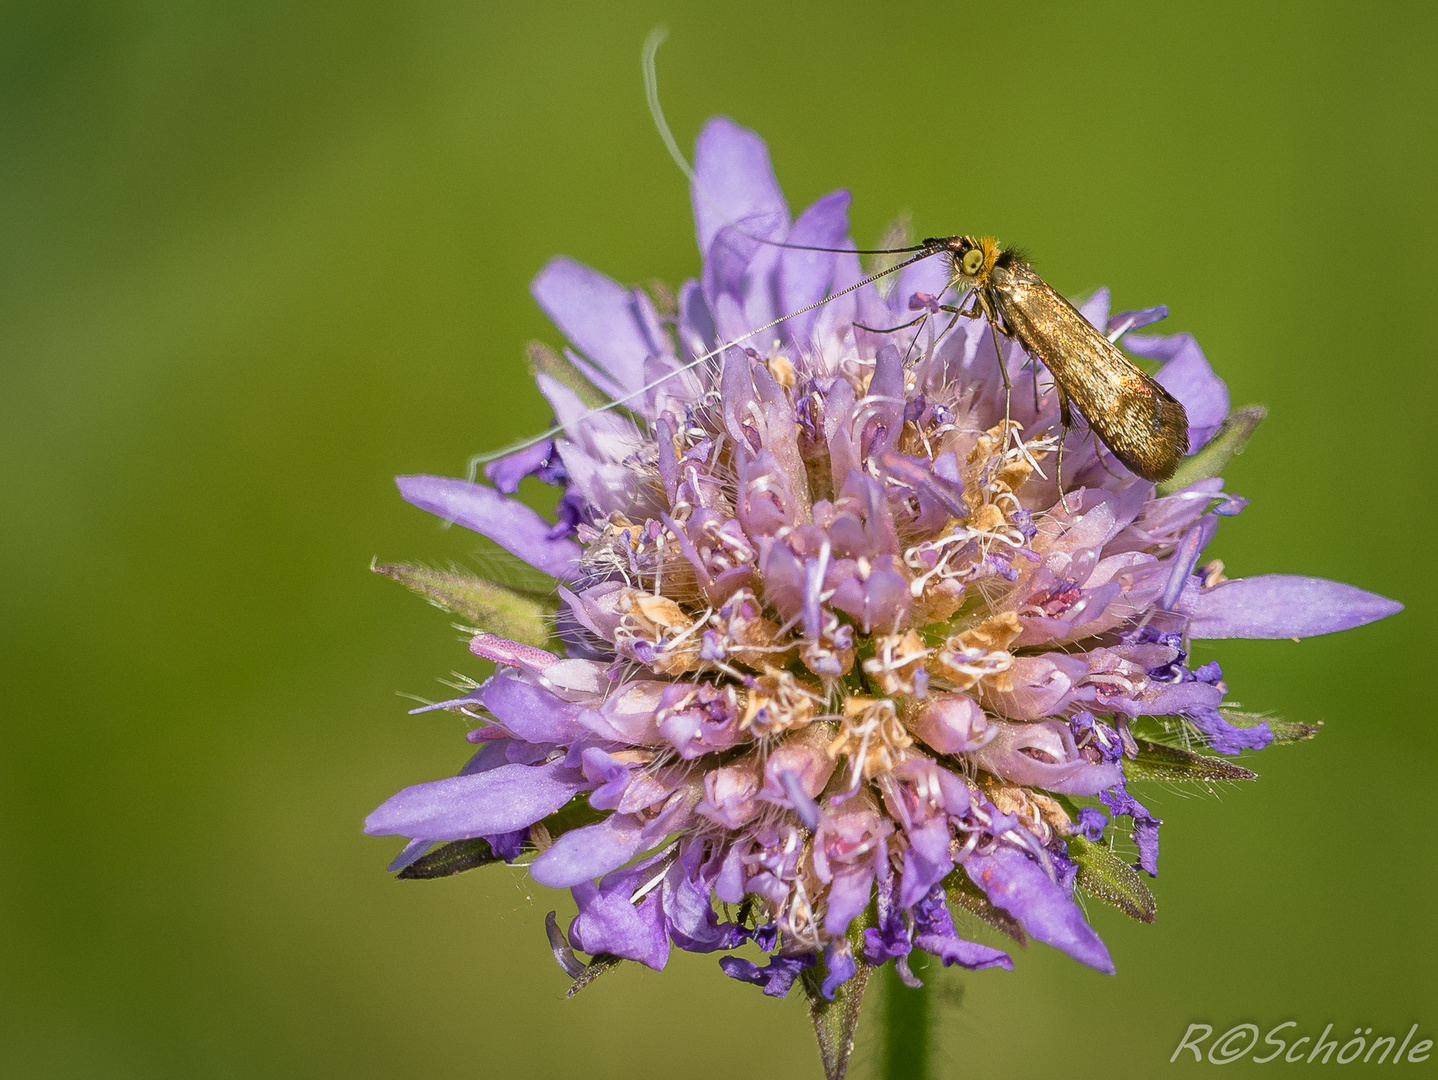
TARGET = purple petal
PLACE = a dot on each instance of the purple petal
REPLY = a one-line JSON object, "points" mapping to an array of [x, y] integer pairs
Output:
{"points": [[775, 978], [799, 799], [408, 854], [922, 476], [1186, 558], [926, 860], [968, 954], [848, 896], [935, 934], [689, 914], [736, 383], [731, 795], [627, 715], [584, 854], [696, 324], [529, 713], [804, 276], [1095, 308], [729, 882], [609, 773], [1043, 755], [602, 318], [1091, 822], [887, 389], [737, 269], [509, 846], [1042, 685], [879, 947], [814, 571], [951, 723], [1280, 606], [484, 804], [493, 754], [608, 922], [1017, 884], [593, 440], [1228, 738], [954, 797], [1145, 825], [510, 524], [839, 959], [890, 939], [506, 473], [803, 762], [570, 512], [735, 184], [701, 727], [1125, 321]]}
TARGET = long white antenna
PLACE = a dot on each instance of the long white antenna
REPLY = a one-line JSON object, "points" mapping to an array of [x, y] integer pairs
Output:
{"points": [[656, 38], [495, 455]]}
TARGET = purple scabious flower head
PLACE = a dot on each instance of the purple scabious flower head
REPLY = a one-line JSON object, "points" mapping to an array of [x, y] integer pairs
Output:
{"points": [[830, 650]]}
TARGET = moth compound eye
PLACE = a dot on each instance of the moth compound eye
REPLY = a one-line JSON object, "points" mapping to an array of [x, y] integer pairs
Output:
{"points": [[973, 261]]}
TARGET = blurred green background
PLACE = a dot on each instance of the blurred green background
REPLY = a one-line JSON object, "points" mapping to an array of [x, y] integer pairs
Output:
{"points": [[259, 257]]}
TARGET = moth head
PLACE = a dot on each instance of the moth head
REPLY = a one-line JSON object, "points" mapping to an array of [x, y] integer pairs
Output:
{"points": [[972, 257]]}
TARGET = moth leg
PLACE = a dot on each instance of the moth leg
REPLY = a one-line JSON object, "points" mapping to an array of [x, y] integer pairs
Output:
{"points": [[922, 320], [892, 329], [1066, 419], [1004, 371], [1098, 453], [895, 329], [972, 312], [934, 344]]}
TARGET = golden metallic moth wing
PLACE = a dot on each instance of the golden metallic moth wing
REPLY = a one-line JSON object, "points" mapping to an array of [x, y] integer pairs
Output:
{"points": [[1142, 423]]}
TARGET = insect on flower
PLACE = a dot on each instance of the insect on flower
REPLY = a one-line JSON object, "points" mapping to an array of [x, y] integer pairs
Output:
{"points": [[1141, 422], [1144, 425]]}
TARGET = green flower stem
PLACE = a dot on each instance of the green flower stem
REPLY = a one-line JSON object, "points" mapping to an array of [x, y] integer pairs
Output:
{"points": [[906, 1030]]}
